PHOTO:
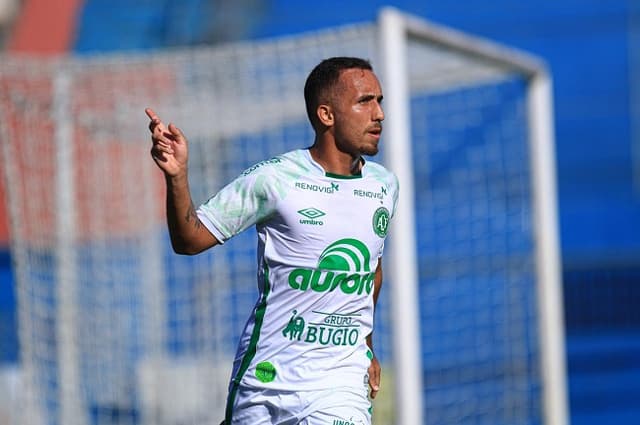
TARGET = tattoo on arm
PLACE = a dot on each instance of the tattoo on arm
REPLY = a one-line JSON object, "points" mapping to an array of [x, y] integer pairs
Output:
{"points": [[192, 217]]}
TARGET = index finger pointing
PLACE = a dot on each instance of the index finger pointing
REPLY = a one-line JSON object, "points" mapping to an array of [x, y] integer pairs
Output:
{"points": [[152, 115]]}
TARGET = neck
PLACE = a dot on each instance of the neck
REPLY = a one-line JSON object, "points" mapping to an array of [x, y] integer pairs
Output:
{"points": [[334, 161]]}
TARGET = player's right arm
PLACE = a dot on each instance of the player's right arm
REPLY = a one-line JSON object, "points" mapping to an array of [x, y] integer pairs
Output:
{"points": [[169, 150]]}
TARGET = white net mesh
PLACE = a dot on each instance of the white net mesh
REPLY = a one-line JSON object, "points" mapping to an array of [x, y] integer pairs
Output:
{"points": [[146, 336]]}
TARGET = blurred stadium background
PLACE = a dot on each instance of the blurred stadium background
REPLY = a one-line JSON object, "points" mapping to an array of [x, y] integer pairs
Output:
{"points": [[592, 49]]}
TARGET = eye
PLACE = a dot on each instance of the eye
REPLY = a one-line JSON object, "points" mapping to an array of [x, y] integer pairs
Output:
{"points": [[366, 99]]}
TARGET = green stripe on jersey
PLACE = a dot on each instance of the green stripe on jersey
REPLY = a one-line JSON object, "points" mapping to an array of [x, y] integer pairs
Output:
{"points": [[252, 348]]}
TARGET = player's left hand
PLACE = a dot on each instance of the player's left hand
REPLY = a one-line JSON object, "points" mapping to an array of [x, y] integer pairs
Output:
{"points": [[374, 377]]}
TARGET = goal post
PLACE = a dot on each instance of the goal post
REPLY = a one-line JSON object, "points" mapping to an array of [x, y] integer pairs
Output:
{"points": [[396, 28], [116, 329]]}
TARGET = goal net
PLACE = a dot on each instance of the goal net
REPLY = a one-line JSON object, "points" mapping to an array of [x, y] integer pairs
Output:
{"points": [[116, 329]]}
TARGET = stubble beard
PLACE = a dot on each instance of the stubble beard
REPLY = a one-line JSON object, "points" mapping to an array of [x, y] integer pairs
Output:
{"points": [[369, 150]]}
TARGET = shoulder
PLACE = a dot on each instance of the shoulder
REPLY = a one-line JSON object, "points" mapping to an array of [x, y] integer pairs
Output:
{"points": [[273, 176], [291, 162], [385, 176], [264, 166]]}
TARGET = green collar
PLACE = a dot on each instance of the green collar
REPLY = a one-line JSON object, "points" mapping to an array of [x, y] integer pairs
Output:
{"points": [[343, 177]]}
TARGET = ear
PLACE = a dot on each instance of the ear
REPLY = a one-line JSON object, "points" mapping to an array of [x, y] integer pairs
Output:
{"points": [[325, 115]]}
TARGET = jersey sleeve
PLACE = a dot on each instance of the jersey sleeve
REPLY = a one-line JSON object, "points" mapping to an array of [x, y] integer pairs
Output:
{"points": [[247, 200], [395, 189]]}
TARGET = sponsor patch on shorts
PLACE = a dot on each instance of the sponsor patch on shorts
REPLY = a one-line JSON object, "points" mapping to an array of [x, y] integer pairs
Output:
{"points": [[265, 372]]}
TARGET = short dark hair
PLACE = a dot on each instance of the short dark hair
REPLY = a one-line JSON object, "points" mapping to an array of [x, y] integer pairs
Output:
{"points": [[324, 77]]}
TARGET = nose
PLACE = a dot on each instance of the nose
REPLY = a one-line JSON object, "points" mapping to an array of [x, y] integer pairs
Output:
{"points": [[378, 113]]}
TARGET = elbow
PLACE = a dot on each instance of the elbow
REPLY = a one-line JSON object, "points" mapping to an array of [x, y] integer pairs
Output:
{"points": [[183, 251], [191, 243], [184, 248]]}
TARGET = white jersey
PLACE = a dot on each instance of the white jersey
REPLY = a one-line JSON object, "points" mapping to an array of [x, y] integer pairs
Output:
{"points": [[320, 237]]}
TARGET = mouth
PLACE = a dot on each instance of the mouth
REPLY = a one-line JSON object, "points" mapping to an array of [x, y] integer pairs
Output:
{"points": [[375, 132]]}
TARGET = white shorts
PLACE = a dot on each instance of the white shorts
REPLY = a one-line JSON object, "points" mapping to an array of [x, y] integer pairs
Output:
{"points": [[340, 406]]}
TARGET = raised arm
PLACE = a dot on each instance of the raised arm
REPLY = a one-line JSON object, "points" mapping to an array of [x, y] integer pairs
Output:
{"points": [[169, 150]]}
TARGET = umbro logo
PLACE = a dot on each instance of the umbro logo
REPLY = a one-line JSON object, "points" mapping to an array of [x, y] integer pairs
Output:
{"points": [[312, 215], [311, 212]]}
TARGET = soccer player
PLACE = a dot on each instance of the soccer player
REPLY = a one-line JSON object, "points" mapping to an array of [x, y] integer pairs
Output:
{"points": [[322, 215]]}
